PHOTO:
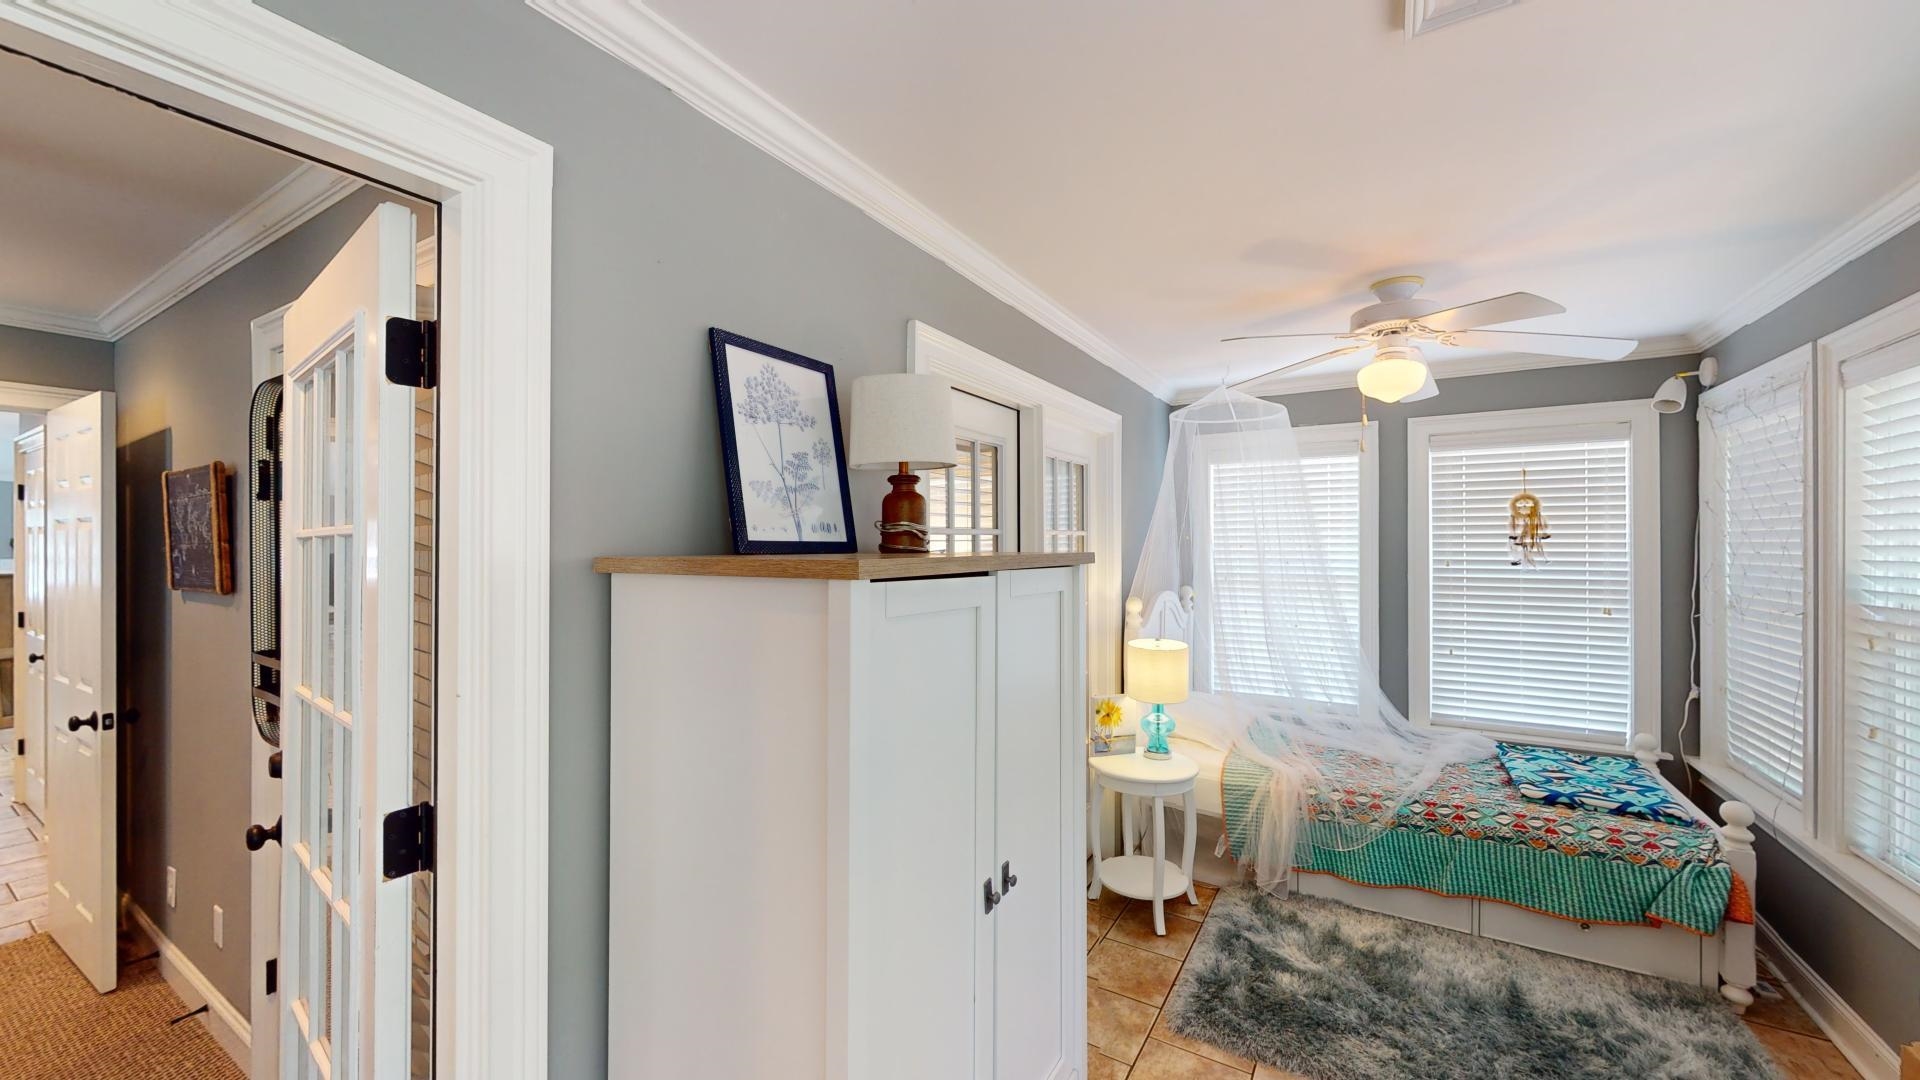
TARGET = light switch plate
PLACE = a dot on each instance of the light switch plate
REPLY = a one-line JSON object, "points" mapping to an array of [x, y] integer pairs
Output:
{"points": [[172, 891], [219, 927]]}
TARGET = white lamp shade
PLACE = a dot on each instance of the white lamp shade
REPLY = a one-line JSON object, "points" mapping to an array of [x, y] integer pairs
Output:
{"points": [[1672, 396], [1157, 670], [1392, 376], [900, 418], [1427, 389]]}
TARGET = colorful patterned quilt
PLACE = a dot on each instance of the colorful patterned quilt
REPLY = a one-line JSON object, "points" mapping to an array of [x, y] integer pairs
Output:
{"points": [[1609, 783], [1473, 834]]}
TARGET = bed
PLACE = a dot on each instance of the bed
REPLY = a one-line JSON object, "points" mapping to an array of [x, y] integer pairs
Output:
{"points": [[1474, 855]]}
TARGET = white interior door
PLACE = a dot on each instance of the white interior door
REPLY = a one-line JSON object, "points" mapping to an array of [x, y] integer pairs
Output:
{"points": [[82, 686], [346, 650], [30, 622]]}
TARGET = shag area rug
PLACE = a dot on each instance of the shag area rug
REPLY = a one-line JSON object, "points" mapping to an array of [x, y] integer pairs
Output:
{"points": [[1332, 992]]}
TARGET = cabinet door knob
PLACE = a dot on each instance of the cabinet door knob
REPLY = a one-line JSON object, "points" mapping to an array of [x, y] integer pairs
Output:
{"points": [[1008, 879], [992, 898], [75, 723], [35, 657]]}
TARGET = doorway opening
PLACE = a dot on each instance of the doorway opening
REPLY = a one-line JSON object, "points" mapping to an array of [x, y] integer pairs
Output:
{"points": [[224, 676]]}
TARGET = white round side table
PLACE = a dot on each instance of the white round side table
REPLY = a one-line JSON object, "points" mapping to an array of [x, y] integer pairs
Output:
{"points": [[1143, 877]]}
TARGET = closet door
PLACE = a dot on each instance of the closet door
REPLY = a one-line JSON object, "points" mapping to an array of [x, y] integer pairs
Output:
{"points": [[919, 845], [1039, 949]]}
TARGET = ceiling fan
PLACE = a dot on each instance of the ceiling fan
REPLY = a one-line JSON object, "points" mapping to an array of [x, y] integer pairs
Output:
{"points": [[1400, 325]]}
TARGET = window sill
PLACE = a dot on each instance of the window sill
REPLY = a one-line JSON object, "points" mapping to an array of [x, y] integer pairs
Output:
{"points": [[1890, 900]]}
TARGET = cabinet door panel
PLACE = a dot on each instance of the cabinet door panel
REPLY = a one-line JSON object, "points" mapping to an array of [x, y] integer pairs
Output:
{"points": [[1040, 698], [920, 749]]}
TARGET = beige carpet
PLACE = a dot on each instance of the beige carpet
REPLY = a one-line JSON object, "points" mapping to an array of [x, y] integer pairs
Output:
{"points": [[53, 1023]]}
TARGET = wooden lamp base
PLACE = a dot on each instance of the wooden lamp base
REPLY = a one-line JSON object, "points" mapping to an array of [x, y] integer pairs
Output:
{"points": [[903, 516]]}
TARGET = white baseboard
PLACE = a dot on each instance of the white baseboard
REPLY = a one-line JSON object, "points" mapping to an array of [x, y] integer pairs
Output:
{"points": [[227, 1024], [1874, 1059]]}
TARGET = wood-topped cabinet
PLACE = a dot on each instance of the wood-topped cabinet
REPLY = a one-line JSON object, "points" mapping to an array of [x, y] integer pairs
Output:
{"points": [[847, 821]]}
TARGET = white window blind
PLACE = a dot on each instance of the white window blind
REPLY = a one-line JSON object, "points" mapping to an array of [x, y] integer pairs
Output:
{"points": [[1248, 538], [1753, 575], [1880, 619], [1066, 505], [1544, 650]]}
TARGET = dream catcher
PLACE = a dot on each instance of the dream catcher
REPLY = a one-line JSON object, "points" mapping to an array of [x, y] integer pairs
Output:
{"points": [[1526, 528]]}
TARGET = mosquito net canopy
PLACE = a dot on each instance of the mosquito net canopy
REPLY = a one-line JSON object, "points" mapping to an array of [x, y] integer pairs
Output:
{"points": [[1234, 565]]}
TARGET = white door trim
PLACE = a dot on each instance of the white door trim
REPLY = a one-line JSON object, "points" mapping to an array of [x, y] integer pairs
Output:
{"points": [[264, 75], [1041, 405]]}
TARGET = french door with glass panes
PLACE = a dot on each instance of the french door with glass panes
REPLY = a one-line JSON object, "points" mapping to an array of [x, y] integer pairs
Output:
{"points": [[346, 556], [975, 506]]}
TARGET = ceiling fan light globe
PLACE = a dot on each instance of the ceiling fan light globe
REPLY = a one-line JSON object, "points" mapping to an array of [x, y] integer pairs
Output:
{"points": [[1392, 376], [1672, 396]]}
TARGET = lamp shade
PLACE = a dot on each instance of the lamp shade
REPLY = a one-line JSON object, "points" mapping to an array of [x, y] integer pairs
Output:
{"points": [[1394, 373], [1672, 396], [1157, 670], [900, 418], [1427, 389]]}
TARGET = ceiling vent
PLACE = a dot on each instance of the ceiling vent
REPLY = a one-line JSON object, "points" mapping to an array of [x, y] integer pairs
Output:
{"points": [[1426, 16]]}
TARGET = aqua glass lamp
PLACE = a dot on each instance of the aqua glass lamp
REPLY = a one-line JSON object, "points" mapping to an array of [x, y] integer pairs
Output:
{"points": [[1157, 674]]}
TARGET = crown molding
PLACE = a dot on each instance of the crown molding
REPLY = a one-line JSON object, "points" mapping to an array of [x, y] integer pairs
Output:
{"points": [[279, 210], [1670, 345], [52, 322], [637, 36], [1869, 230]]}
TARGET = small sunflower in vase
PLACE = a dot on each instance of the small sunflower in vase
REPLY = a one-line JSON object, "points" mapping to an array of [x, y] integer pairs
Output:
{"points": [[1106, 721]]}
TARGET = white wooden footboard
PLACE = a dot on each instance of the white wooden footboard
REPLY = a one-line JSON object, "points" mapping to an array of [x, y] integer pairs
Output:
{"points": [[1739, 967]]}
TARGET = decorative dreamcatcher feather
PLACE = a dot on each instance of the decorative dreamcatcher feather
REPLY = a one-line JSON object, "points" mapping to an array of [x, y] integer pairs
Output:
{"points": [[1526, 528]]}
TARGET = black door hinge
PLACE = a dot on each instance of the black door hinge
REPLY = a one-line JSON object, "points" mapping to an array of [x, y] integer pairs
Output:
{"points": [[20, 492], [22, 751], [413, 352], [265, 477], [20, 619], [408, 841], [273, 976]]}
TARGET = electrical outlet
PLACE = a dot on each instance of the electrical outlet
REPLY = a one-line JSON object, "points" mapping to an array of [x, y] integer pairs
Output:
{"points": [[172, 890], [219, 927]]}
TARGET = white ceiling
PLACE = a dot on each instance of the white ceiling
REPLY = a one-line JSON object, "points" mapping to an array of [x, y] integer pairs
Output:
{"points": [[1171, 176], [110, 207]]}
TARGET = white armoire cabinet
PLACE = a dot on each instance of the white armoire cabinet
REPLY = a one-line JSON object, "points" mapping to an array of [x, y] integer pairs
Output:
{"points": [[847, 817]]}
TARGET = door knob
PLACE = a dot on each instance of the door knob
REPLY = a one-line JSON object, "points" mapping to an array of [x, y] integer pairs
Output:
{"points": [[273, 765], [258, 835], [35, 657], [92, 720]]}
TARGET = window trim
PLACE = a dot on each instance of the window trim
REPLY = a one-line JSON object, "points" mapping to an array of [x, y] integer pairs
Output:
{"points": [[1643, 503], [1045, 408], [1713, 725], [1884, 329]]}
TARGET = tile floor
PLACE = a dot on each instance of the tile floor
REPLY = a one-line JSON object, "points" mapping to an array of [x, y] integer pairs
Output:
{"points": [[23, 865], [1130, 970]]}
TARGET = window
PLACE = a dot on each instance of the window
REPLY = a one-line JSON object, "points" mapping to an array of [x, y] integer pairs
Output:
{"points": [[963, 504], [1754, 621], [1066, 505], [1878, 627], [1566, 651], [1341, 482]]}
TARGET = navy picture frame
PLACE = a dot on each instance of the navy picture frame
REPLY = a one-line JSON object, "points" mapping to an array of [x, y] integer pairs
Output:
{"points": [[719, 341]]}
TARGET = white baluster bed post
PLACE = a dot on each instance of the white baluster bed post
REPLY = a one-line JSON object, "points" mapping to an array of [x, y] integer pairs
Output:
{"points": [[1739, 968]]}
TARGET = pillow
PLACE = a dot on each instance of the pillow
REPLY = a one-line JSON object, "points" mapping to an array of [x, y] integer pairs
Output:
{"points": [[1604, 782]]}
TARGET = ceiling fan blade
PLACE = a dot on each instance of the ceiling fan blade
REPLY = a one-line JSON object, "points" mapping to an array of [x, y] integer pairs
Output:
{"points": [[1278, 337], [1298, 364], [1579, 345], [1501, 309]]}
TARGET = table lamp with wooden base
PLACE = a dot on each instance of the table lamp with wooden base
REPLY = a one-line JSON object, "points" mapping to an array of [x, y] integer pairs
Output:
{"points": [[903, 423]]}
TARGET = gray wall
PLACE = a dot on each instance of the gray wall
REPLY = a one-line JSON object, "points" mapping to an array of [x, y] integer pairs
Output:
{"points": [[1870, 965], [1624, 381], [185, 388], [30, 356], [666, 224]]}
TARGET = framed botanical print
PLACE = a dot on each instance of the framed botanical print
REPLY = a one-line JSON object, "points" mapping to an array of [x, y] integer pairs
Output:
{"points": [[780, 433]]}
